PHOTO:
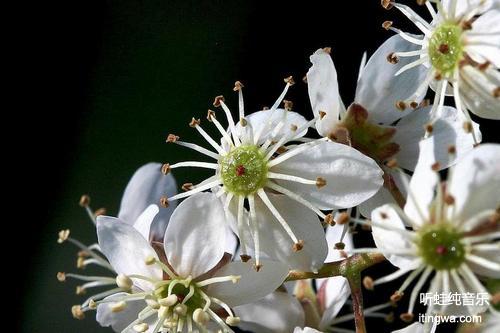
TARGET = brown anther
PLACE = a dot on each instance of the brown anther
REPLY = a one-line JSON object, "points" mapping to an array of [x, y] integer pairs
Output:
{"points": [[77, 312], [406, 317], [164, 202], [63, 236], [401, 105], [257, 267], [84, 201], [327, 50], [496, 92], [187, 186], [80, 290], [99, 212], [61, 276], [194, 122], [484, 66], [449, 199], [366, 227], [429, 128], [218, 100], [293, 127], [282, 150], [438, 77], [165, 168], [237, 86], [210, 115], [424, 103], [339, 246], [264, 108], [245, 257], [368, 283], [304, 79], [329, 220], [387, 4], [413, 105], [320, 182], [343, 254], [322, 114], [384, 215], [392, 58], [467, 25], [171, 138], [387, 25], [467, 127], [392, 163], [495, 298], [288, 105], [435, 166], [243, 122], [298, 246], [343, 218], [420, 3], [83, 254], [80, 263], [289, 80], [396, 297], [452, 150], [444, 48]]}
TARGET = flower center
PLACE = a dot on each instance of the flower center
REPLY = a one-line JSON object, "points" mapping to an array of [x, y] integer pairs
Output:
{"points": [[440, 246], [244, 170], [186, 293], [446, 48]]}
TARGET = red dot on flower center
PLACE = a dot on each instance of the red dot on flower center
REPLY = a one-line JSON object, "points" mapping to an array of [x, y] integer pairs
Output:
{"points": [[180, 298], [240, 170], [441, 249]]}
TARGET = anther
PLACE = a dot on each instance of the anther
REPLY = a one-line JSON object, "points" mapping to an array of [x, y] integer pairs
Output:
{"points": [[92, 304], [289, 80], [322, 114], [467, 25], [438, 77], [150, 260], [420, 3], [484, 66], [320, 182], [444, 48], [387, 4], [200, 316], [140, 328], [429, 128], [387, 25], [118, 306], [77, 312], [63, 236], [210, 115], [235, 278], [329, 220], [288, 105], [343, 218], [368, 283], [61, 277], [84, 201], [413, 105], [400, 105], [452, 150], [298, 246], [339, 246], [496, 92], [165, 168], [243, 122], [171, 138], [327, 50], [384, 215], [80, 263], [168, 301], [164, 202], [162, 312], [425, 102], [396, 297], [80, 290], [237, 86], [245, 257], [406, 317], [392, 58], [187, 186], [124, 282], [293, 127], [99, 212], [449, 199], [218, 100], [304, 79], [180, 309], [282, 150], [257, 267], [392, 163], [194, 122], [232, 321], [435, 166]]}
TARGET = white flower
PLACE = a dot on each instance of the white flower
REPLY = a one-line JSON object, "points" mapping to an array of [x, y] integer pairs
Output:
{"points": [[414, 328], [377, 123], [455, 230], [256, 164], [460, 51], [178, 285]]}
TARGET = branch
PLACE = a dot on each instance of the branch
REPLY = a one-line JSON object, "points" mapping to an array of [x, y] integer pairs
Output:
{"points": [[357, 302]]}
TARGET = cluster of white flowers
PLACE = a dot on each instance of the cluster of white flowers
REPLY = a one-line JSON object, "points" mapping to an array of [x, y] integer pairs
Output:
{"points": [[265, 243]]}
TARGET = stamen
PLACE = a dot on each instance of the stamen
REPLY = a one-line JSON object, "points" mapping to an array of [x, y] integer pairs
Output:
{"points": [[415, 63], [195, 164], [230, 120], [255, 229], [297, 198], [296, 179], [391, 277], [211, 117], [232, 278], [410, 278], [418, 286], [292, 152], [199, 149], [197, 189], [241, 106], [208, 138]]}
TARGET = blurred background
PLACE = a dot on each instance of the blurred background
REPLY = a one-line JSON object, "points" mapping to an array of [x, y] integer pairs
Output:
{"points": [[117, 76]]}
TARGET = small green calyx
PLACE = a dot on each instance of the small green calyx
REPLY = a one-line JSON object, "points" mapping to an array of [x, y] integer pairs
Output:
{"points": [[371, 139], [440, 246], [446, 48], [244, 170]]}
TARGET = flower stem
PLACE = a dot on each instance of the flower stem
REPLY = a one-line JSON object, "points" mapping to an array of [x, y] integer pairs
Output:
{"points": [[357, 302]]}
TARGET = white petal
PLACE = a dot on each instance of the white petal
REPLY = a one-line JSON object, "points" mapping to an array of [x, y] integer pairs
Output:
{"points": [[422, 185], [463, 7], [383, 196], [144, 221], [486, 24], [259, 119], [337, 292], [487, 271], [304, 223], [196, 235], [447, 131], [379, 89], [392, 240], [146, 187], [413, 328], [278, 312], [118, 320], [333, 235], [252, 286], [324, 91], [476, 91], [351, 176], [475, 181], [126, 249], [305, 330]]}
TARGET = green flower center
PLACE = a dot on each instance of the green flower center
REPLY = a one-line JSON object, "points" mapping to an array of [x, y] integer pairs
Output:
{"points": [[440, 246], [244, 170], [181, 291], [446, 48]]}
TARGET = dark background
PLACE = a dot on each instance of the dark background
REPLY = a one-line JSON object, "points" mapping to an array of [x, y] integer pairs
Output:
{"points": [[111, 79]]}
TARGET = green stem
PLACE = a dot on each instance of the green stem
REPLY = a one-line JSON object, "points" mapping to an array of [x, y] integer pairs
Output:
{"points": [[357, 302]]}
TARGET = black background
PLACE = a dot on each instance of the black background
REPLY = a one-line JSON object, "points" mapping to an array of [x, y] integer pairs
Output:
{"points": [[103, 82]]}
